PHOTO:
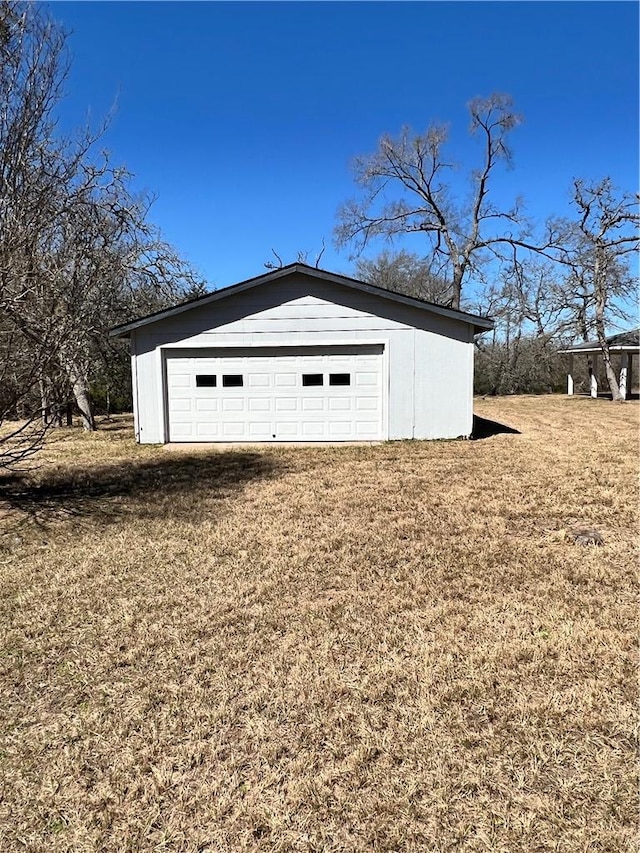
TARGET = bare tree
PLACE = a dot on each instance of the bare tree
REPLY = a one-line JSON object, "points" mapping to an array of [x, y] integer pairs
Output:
{"points": [[530, 322], [77, 253], [595, 249], [302, 257], [588, 287], [404, 272], [33, 64], [110, 264], [406, 191], [605, 237]]}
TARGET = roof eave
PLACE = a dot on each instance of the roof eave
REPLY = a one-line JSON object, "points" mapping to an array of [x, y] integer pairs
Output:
{"points": [[587, 350], [125, 329]]}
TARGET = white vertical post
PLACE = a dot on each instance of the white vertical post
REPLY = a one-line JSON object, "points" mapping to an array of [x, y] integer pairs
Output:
{"points": [[624, 375], [593, 375], [570, 376]]}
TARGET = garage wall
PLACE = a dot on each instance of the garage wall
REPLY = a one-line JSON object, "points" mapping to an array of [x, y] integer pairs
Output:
{"points": [[443, 386], [430, 358]]}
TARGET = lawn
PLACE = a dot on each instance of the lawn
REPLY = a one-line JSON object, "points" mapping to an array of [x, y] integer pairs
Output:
{"points": [[387, 648]]}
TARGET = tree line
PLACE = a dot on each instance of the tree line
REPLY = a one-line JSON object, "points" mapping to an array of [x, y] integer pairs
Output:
{"points": [[548, 285], [78, 253]]}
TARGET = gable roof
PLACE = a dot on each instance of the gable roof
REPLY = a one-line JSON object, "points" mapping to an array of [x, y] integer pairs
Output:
{"points": [[480, 324], [623, 341]]}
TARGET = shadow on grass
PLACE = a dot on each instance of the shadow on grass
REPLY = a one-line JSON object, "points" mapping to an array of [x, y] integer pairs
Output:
{"points": [[172, 486], [117, 424], [485, 428]]}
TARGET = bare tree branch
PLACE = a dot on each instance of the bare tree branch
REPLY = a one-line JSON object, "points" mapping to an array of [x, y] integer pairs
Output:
{"points": [[414, 168], [77, 253]]}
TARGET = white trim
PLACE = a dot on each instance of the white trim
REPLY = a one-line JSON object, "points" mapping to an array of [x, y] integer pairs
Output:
{"points": [[625, 378], [161, 372], [134, 396], [570, 376], [386, 385], [579, 350], [593, 377], [413, 387], [133, 357]]}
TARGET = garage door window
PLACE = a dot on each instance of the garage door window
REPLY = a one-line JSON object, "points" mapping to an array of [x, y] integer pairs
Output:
{"points": [[309, 379], [203, 381], [232, 381], [339, 379]]}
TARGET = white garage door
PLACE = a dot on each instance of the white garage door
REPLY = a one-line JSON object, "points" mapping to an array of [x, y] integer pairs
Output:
{"points": [[302, 394]]}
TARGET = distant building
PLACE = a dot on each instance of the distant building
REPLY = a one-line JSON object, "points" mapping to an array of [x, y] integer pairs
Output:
{"points": [[625, 344]]}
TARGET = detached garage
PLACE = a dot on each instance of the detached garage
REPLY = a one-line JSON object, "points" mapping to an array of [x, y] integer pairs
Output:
{"points": [[300, 354]]}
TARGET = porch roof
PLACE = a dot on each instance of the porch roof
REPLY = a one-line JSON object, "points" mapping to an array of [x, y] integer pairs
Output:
{"points": [[623, 342]]}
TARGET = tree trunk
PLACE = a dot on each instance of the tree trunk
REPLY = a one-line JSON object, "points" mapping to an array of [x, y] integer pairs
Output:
{"points": [[50, 408], [56, 414], [456, 287], [44, 403], [599, 277], [608, 368], [84, 403], [82, 395]]}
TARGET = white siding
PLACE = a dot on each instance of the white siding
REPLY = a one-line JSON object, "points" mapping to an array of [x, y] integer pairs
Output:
{"points": [[429, 357], [150, 389], [443, 386]]}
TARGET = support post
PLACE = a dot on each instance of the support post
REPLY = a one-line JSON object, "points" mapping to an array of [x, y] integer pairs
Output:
{"points": [[593, 376], [624, 375], [570, 376]]}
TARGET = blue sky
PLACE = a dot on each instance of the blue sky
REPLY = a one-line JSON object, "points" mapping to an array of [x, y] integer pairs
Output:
{"points": [[242, 118]]}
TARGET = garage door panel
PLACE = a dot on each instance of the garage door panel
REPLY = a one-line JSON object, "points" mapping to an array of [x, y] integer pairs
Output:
{"points": [[204, 365], [260, 404], [313, 404], [313, 429], [286, 404], [366, 404], [207, 404], [209, 431], [180, 380], [366, 429], [286, 430], [339, 429], [182, 432], [259, 380], [285, 380], [272, 402], [260, 430], [367, 379], [341, 404], [233, 429]]}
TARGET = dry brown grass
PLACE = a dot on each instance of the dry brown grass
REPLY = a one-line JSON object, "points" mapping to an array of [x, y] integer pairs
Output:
{"points": [[392, 648]]}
